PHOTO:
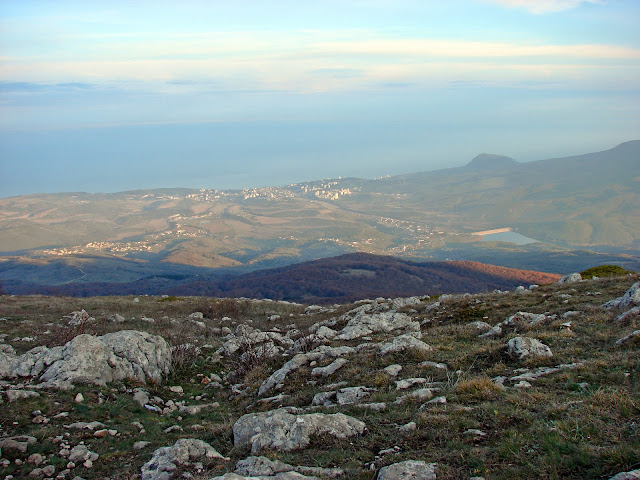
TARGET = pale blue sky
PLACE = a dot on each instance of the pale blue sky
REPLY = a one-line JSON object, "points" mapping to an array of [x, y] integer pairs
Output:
{"points": [[106, 96]]}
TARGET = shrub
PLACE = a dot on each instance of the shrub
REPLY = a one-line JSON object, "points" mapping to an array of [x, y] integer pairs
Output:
{"points": [[605, 271]]}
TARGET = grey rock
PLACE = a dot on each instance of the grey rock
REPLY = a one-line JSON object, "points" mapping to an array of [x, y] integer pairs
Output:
{"points": [[409, 382], [629, 299], [301, 359], [263, 467], [392, 370], [544, 371], [349, 395], [409, 470], [116, 318], [185, 452], [15, 395], [141, 444], [141, 396], [17, 444], [525, 347], [422, 394], [283, 430], [408, 428], [404, 343], [330, 369], [628, 315], [630, 475], [363, 323], [635, 335], [80, 454], [571, 278], [480, 326]]}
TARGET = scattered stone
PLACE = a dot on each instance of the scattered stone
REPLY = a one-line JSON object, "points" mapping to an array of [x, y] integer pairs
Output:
{"points": [[141, 444], [631, 475], [185, 452], [95, 425], [421, 394], [409, 382], [80, 454], [436, 365], [525, 347], [116, 318], [522, 384], [409, 470], [403, 343], [284, 430], [363, 322], [176, 389], [35, 458], [263, 467], [79, 317], [629, 315], [629, 299], [392, 370], [15, 395], [543, 371], [141, 396], [633, 336], [301, 359], [331, 368], [349, 395], [408, 428], [79, 398], [378, 407], [17, 444]]}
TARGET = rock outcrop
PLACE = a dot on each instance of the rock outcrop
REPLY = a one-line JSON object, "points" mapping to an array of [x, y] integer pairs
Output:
{"points": [[185, 452], [121, 355], [285, 430], [525, 347], [409, 470], [630, 299]]}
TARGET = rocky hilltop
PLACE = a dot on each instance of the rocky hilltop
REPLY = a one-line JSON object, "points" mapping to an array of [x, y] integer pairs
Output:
{"points": [[537, 382]]}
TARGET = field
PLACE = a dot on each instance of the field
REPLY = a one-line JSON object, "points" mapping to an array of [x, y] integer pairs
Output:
{"points": [[579, 421]]}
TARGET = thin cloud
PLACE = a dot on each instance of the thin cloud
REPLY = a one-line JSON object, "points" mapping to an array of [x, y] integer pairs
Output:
{"points": [[544, 6]]}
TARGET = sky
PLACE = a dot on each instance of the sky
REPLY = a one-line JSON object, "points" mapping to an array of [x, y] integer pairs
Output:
{"points": [[107, 96]]}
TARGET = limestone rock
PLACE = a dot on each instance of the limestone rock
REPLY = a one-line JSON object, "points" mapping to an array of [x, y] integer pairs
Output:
{"points": [[301, 359], [525, 347], [80, 454], [349, 395], [15, 395], [629, 299], [403, 343], [184, 453], [331, 368], [631, 475], [98, 360], [571, 278], [628, 316], [116, 318], [409, 470], [284, 430], [626, 339], [263, 467], [17, 444], [363, 324]]}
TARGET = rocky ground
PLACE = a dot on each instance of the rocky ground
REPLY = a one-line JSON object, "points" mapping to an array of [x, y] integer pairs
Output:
{"points": [[534, 383]]}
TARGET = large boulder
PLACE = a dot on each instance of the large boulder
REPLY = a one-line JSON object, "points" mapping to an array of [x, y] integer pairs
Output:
{"points": [[409, 470], [629, 299], [525, 347], [284, 430], [631, 475], [121, 355], [362, 322], [571, 278], [184, 453]]}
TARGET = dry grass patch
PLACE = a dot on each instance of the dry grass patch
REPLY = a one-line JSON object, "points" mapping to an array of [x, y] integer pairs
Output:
{"points": [[477, 389]]}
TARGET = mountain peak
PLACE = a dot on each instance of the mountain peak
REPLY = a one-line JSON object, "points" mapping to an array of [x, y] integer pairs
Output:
{"points": [[489, 161]]}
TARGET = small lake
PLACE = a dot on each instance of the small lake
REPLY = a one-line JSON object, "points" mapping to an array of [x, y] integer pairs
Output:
{"points": [[508, 237]]}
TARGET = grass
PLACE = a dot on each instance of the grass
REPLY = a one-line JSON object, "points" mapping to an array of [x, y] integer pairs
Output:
{"points": [[578, 423]]}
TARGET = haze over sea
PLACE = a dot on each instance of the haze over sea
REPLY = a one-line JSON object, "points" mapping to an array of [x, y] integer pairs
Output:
{"points": [[111, 96]]}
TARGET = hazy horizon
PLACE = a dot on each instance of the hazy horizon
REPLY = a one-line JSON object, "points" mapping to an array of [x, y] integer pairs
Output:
{"points": [[106, 97]]}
